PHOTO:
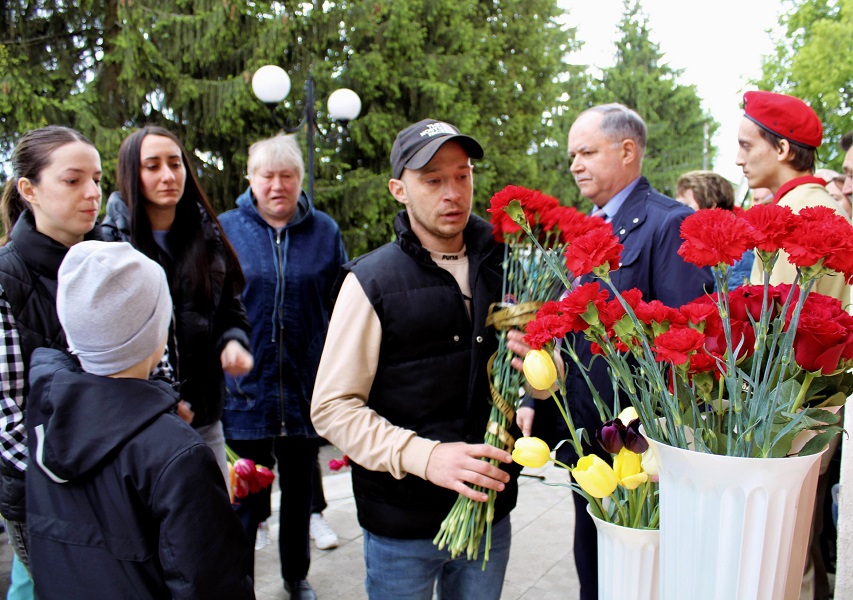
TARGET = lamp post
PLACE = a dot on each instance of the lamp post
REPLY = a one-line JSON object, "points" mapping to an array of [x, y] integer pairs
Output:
{"points": [[271, 85]]}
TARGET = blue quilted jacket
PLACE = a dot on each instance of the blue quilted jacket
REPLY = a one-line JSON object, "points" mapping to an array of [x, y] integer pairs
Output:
{"points": [[289, 274]]}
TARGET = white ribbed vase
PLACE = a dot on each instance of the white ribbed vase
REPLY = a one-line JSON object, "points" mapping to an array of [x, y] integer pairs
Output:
{"points": [[733, 528], [628, 562]]}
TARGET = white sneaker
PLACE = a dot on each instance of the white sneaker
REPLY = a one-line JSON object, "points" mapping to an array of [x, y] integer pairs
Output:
{"points": [[323, 536], [262, 540]]}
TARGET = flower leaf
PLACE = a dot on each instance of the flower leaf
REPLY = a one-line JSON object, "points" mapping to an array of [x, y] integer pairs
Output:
{"points": [[819, 442]]}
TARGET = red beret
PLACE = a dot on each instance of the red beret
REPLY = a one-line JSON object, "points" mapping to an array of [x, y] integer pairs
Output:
{"points": [[786, 116]]}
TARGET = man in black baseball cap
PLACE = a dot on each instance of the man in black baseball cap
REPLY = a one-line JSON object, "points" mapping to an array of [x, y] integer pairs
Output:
{"points": [[417, 144], [403, 386]]}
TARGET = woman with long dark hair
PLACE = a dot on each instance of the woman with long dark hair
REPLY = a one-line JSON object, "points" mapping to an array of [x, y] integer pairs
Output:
{"points": [[163, 211], [50, 203]]}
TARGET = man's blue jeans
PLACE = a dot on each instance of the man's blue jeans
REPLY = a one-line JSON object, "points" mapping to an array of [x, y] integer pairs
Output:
{"points": [[409, 569]]}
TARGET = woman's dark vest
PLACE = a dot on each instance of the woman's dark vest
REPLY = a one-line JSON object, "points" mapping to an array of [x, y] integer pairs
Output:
{"points": [[431, 377], [28, 271]]}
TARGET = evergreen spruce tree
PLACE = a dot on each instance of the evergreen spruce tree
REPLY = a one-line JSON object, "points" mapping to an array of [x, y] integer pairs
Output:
{"points": [[107, 67], [640, 79], [490, 68], [813, 60]]}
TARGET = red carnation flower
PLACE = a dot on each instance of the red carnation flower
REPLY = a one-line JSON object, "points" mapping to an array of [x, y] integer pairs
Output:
{"points": [[573, 224], [658, 312], [771, 225], [556, 319], [703, 362], [502, 224], [593, 249], [698, 311], [611, 312], [577, 302], [677, 344], [819, 233], [712, 237], [544, 329], [551, 218]]}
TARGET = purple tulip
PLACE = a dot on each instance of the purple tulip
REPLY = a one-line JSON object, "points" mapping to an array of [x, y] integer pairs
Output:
{"points": [[611, 436], [634, 441]]}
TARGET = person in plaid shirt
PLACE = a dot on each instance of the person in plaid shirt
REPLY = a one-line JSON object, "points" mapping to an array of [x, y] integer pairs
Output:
{"points": [[50, 203]]}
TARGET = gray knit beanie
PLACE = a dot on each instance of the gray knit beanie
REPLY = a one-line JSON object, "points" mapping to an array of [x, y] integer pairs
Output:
{"points": [[114, 305]]}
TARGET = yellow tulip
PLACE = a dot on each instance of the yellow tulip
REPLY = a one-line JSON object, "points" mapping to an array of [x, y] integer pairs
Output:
{"points": [[539, 369], [595, 476], [629, 469], [628, 415], [531, 452]]}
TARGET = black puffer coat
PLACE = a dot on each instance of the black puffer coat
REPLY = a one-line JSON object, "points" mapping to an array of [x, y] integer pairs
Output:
{"points": [[29, 264]]}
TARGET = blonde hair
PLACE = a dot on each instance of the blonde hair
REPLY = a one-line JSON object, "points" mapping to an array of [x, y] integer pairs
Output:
{"points": [[277, 151]]}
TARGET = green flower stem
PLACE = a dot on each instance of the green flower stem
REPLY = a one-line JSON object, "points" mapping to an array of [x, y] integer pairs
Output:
{"points": [[639, 504], [561, 464], [232, 456], [801, 397], [776, 370], [567, 417], [620, 508], [598, 503]]}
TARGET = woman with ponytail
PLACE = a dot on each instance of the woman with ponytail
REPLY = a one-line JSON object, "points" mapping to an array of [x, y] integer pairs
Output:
{"points": [[50, 203]]}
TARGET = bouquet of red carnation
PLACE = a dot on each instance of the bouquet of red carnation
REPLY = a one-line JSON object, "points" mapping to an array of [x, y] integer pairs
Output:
{"points": [[527, 279], [246, 477]]}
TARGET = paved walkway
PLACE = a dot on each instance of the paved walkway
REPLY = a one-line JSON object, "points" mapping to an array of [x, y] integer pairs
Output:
{"points": [[541, 565]]}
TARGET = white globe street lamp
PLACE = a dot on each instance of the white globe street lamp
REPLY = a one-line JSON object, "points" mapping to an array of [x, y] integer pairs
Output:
{"points": [[271, 85]]}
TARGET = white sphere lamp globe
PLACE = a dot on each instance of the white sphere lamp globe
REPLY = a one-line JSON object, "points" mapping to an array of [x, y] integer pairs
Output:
{"points": [[344, 105], [271, 84]]}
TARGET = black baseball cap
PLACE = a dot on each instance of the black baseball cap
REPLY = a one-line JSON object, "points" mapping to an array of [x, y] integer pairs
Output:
{"points": [[417, 144]]}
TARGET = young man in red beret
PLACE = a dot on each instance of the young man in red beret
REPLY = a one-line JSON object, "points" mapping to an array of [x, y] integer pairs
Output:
{"points": [[778, 138]]}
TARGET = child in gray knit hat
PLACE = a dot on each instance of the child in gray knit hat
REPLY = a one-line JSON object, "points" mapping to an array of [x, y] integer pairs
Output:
{"points": [[116, 478], [114, 305]]}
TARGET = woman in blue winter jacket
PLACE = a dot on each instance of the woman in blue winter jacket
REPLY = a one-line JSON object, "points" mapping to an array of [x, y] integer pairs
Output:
{"points": [[290, 253]]}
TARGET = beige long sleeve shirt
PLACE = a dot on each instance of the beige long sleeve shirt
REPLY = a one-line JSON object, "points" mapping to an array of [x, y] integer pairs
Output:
{"points": [[347, 369]]}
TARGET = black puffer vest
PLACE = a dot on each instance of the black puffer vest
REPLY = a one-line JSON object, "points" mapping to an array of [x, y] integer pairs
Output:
{"points": [[28, 269], [431, 377]]}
